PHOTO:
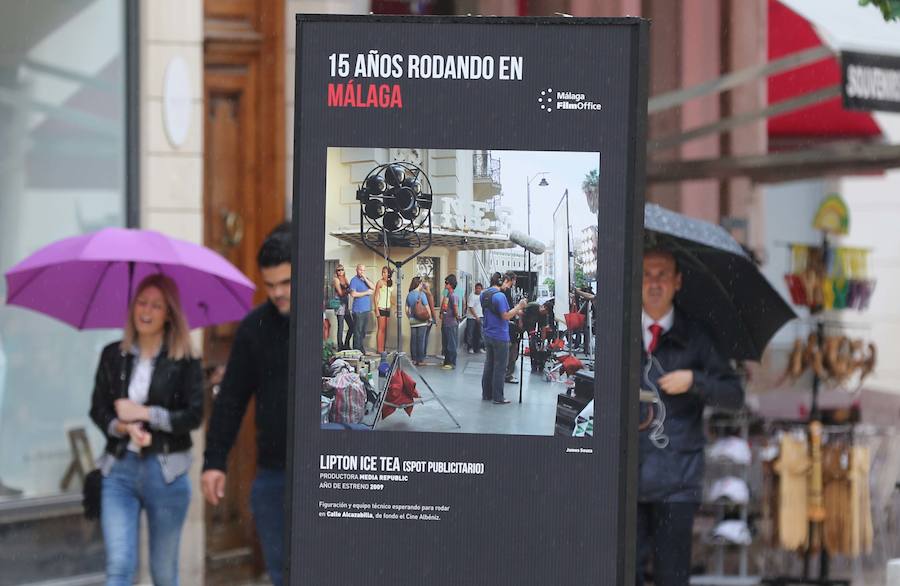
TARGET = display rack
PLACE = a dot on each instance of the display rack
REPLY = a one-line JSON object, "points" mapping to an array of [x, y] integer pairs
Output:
{"points": [[816, 517], [832, 218], [717, 576]]}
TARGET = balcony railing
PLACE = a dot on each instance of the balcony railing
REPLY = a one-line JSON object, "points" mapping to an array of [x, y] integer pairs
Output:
{"points": [[485, 167]]}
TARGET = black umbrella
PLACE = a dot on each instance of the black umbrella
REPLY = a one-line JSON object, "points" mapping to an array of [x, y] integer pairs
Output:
{"points": [[721, 287]]}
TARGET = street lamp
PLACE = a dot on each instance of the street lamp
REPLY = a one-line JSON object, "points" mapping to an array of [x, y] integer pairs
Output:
{"points": [[543, 183]]}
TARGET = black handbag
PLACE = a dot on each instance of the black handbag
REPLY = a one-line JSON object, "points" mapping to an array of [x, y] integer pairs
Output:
{"points": [[92, 489], [91, 493]]}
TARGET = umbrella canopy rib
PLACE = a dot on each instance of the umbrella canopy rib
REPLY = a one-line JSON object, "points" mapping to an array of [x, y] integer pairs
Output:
{"points": [[12, 296], [231, 292], [90, 303], [726, 294]]}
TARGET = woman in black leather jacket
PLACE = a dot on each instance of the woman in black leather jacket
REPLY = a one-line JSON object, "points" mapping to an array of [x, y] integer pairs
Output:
{"points": [[148, 396]]}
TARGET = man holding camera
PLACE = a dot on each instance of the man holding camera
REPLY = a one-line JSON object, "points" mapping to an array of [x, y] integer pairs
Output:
{"points": [[515, 337], [497, 314]]}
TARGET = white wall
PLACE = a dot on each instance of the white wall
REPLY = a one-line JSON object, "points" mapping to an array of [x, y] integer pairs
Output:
{"points": [[172, 192], [788, 212], [874, 204]]}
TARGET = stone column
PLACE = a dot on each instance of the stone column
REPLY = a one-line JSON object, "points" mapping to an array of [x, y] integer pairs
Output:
{"points": [[172, 193]]}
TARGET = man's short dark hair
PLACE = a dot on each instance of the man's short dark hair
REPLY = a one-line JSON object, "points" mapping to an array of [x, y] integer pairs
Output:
{"points": [[510, 276], [450, 280], [276, 248], [479, 285]]}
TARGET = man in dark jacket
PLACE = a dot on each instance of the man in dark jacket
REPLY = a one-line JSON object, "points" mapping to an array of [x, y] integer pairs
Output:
{"points": [[681, 361], [258, 365]]}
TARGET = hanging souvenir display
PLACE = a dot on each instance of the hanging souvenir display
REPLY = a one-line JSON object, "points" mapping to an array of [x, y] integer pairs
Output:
{"points": [[835, 358], [829, 278]]}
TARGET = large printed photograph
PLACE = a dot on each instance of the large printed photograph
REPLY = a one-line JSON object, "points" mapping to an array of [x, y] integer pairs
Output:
{"points": [[456, 291]]}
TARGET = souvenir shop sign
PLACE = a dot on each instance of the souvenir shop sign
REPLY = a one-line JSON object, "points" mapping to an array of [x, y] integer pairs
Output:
{"points": [[451, 506], [870, 82]]}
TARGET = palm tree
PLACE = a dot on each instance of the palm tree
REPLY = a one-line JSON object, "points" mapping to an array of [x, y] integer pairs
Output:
{"points": [[591, 188]]}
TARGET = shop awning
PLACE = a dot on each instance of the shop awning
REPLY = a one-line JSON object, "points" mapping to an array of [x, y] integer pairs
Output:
{"points": [[847, 26], [808, 39], [452, 239], [790, 33]]}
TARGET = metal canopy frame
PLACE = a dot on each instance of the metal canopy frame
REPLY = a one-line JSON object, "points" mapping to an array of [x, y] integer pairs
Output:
{"points": [[833, 159], [826, 159], [735, 79]]}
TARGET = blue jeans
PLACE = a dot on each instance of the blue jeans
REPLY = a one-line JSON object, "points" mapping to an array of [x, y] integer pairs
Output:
{"points": [[417, 343], [360, 325], [135, 483], [267, 502], [425, 343], [473, 334], [494, 368], [450, 343]]}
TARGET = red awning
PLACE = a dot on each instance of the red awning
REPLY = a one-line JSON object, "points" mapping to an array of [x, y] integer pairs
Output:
{"points": [[790, 33]]}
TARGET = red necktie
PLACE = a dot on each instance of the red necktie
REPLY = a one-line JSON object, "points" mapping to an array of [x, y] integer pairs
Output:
{"points": [[655, 330]]}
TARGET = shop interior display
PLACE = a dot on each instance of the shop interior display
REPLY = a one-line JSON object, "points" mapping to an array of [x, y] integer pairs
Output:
{"points": [[825, 276], [836, 359], [727, 499], [818, 495], [820, 478]]}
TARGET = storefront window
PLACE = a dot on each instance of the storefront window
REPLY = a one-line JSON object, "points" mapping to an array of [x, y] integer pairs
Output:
{"points": [[62, 173]]}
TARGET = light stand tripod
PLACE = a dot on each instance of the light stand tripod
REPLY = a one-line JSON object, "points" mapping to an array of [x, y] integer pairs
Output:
{"points": [[391, 198], [396, 366]]}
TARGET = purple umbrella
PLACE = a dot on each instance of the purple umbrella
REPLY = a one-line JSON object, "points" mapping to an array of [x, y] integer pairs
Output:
{"points": [[87, 281]]}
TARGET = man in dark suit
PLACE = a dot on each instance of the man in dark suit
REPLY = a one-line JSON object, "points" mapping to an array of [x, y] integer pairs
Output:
{"points": [[680, 359]]}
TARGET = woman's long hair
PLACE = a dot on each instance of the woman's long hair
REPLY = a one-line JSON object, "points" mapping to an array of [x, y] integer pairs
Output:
{"points": [[342, 279], [414, 283], [176, 335]]}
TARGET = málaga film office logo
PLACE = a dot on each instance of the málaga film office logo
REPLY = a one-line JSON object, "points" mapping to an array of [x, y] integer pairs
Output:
{"points": [[551, 100]]}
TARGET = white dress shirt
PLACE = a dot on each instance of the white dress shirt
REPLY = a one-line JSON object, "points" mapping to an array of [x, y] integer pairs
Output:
{"points": [[647, 321], [139, 387]]}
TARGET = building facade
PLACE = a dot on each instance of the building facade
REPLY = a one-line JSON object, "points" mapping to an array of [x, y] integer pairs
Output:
{"points": [[464, 223], [177, 116]]}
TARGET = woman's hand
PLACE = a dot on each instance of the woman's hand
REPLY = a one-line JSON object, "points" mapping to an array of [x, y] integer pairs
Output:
{"points": [[139, 435], [128, 410]]}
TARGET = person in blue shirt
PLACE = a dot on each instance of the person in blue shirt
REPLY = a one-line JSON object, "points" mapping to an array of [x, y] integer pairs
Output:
{"points": [[361, 290], [417, 327], [497, 314]]}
